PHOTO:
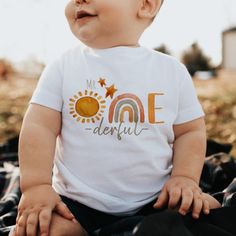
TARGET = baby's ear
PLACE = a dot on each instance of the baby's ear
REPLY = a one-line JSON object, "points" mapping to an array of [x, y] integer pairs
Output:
{"points": [[149, 8]]}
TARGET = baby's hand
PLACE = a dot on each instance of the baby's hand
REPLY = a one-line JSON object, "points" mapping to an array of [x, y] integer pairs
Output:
{"points": [[183, 193], [213, 203], [35, 210]]}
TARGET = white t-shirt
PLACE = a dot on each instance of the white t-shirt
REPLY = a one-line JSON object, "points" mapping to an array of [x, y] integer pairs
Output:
{"points": [[118, 109]]}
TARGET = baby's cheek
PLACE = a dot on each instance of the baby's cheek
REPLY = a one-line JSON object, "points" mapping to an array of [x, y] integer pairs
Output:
{"points": [[69, 10]]}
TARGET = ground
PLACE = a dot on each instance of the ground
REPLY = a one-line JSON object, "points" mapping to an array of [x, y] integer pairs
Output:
{"points": [[217, 96]]}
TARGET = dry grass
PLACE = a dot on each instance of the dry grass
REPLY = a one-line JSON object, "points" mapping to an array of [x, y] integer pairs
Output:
{"points": [[218, 97], [14, 96]]}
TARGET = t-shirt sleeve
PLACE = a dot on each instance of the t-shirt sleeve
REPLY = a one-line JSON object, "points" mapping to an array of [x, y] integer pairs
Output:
{"points": [[49, 88], [189, 107]]}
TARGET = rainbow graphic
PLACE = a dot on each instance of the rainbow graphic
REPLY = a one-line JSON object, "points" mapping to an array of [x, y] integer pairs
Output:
{"points": [[126, 103]]}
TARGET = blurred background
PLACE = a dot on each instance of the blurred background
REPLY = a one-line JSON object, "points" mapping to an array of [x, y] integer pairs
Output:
{"points": [[201, 34]]}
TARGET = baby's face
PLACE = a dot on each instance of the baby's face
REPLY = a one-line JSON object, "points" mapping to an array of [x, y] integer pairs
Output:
{"points": [[103, 23]]}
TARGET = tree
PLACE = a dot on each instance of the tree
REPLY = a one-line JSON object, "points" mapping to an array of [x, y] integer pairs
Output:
{"points": [[162, 48], [5, 69], [196, 60]]}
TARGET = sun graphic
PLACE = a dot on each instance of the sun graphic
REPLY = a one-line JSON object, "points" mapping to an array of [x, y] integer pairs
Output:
{"points": [[87, 107]]}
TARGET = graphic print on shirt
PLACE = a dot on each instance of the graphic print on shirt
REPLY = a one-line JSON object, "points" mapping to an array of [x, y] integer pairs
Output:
{"points": [[89, 107]]}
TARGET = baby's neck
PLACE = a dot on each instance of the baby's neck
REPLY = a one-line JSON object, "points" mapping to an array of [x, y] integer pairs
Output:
{"points": [[117, 45]]}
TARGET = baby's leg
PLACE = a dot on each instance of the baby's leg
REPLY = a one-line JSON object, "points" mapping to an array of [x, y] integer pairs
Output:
{"points": [[62, 227]]}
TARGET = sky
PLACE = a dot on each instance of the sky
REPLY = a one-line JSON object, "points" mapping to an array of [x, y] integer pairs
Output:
{"points": [[38, 28]]}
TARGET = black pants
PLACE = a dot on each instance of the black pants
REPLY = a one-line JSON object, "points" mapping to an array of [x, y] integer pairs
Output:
{"points": [[220, 222], [151, 222], [92, 220]]}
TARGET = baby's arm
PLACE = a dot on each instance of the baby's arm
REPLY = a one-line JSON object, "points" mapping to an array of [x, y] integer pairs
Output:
{"points": [[40, 128], [182, 189]]}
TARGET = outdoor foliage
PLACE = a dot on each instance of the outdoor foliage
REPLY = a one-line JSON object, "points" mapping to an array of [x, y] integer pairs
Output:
{"points": [[163, 48], [195, 59], [6, 69]]}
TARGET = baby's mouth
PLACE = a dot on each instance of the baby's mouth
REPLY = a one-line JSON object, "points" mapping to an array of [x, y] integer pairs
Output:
{"points": [[83, 14]]}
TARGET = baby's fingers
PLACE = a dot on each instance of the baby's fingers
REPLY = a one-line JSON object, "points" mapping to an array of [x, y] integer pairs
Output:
{"points": [[32, 224], [21, 225], [206, 207], [174, 197], [197, 205], [186, 202], [162, 199], [44, 221], [64, 211]]}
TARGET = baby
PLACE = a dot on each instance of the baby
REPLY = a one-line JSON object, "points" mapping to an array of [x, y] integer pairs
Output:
{"points": [[118, 125]]}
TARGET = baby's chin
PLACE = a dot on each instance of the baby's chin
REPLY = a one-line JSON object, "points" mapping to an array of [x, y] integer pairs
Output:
{"points": [[102, 43], [95, 42], [86, 37]]}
